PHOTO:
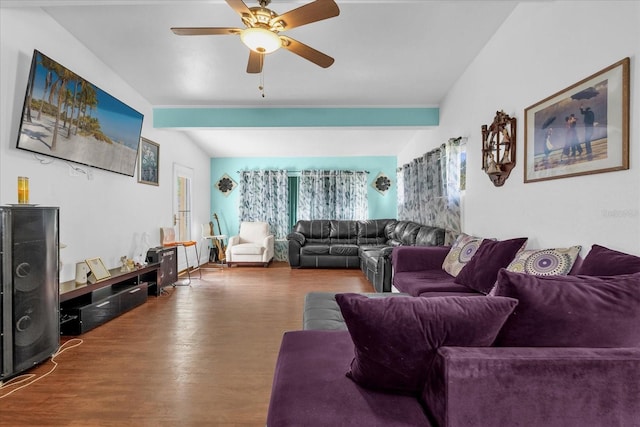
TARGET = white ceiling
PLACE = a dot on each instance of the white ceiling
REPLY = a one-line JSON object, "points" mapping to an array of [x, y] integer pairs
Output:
{"points": [[387, 53]]}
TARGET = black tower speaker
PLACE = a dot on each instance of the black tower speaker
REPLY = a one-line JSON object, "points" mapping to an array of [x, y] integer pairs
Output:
{"points": [[29, 299]]}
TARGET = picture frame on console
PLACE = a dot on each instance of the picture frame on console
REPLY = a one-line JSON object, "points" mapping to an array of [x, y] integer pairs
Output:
{"points": [[581, 130], [149, 162], [98, 269]]}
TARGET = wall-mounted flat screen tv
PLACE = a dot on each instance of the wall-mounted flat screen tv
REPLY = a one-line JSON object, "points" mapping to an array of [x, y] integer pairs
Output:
{"points": [[66, 117]]}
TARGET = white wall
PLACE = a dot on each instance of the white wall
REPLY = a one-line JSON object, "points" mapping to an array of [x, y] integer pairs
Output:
{"points": [[105, 216], [541, 49]]}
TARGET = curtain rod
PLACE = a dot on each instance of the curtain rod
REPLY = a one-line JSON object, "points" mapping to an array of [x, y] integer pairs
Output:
{"points": [[306, 171], [461, 140]]}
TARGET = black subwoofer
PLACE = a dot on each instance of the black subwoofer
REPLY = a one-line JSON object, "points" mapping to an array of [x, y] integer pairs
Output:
{"points": [[29, 302]]}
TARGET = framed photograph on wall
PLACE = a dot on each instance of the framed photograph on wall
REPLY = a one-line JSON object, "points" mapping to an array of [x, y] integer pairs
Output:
{"points": [[149, 162], [583, 129]]}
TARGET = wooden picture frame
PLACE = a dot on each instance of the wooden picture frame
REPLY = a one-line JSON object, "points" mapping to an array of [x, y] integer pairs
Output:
{"points": [[149, 162], [99, 271], [583, 129]]}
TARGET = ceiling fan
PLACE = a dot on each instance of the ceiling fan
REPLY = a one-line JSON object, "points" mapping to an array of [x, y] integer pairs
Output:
{"points": [[263, 27]]}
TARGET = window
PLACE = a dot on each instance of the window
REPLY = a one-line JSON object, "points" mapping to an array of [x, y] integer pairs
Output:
{"points": [[293, 201], [333, 194]]}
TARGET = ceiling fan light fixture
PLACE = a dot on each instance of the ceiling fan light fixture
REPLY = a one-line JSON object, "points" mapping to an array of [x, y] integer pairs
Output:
{"points": [[260, 40]]}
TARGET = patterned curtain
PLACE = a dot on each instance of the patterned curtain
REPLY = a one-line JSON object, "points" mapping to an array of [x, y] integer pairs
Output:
{"points": [[429, 189], [449, 215], [264, 197], [332, 195]]}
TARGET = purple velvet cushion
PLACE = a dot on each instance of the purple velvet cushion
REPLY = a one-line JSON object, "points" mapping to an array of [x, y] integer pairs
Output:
{"points": [[481, 272], [310, 388], [571, 311], [601, 261], [396, 339], [416, 282]]}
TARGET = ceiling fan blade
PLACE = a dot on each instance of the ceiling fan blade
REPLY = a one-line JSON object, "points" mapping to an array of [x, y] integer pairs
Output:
{"points": [[204, 31], [306, 52], [240, 7], [312, 12], [255, 62]]}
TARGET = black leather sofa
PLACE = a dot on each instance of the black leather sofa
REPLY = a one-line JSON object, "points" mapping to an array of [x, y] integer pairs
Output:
{"points": [[375, 260], [357, 244]]}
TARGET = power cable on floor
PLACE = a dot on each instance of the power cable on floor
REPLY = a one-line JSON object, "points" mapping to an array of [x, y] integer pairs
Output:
{"points": [[28, 379]]}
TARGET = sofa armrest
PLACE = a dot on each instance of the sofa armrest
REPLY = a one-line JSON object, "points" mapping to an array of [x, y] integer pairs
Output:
{"points": [[418, 258], [268, 241], [233, 240], [298, 237], [296, 242], [500, 386], [269, 244], [386, 252]]}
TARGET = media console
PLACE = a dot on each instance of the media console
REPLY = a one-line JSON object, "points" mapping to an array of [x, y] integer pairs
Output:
{"points": [[85, 306]]}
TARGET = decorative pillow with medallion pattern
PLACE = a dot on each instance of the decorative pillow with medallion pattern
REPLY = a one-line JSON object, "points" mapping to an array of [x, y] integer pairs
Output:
{"points": [[462, 250], [545, 262]]}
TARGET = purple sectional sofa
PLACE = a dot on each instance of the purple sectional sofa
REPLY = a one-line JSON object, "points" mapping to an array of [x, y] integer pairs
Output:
{"points": [[310, 387], [418, 272], [539, 351]]}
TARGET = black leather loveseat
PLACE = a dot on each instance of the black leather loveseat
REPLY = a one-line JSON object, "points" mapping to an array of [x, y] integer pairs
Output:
{"points": [[363, 244]]}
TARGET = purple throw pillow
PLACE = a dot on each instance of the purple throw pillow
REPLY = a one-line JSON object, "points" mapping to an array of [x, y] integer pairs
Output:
{"points": [[481, 272], [601, 261], [396, 339], [571, 311]]}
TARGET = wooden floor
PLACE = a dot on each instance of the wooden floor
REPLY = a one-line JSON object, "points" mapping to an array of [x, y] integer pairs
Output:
{"points": [[201, 355]]}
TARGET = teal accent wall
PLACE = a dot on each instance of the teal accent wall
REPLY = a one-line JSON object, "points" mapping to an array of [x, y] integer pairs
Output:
{"points": [[380, 206], [167, 117]]}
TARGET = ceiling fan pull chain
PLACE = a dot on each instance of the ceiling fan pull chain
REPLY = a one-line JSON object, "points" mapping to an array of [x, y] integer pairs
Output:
{"points": [[261, 86]]}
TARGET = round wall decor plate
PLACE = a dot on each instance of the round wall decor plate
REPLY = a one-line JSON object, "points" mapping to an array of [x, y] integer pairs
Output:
{"points": [[226, 184]]}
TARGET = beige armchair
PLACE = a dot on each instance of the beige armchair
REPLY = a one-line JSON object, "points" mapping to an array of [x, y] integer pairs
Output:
{"points": [[253, 245]]}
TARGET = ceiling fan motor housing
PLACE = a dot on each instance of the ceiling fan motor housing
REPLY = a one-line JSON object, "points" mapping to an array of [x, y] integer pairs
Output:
{"points": [[262, 28]]}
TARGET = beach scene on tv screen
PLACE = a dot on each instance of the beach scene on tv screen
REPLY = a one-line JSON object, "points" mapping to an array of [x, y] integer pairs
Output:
{"points": [[67, 117]]}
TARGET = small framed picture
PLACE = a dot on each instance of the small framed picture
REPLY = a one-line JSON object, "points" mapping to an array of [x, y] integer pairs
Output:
{"points": [[97, 268], [583, 129], [149, 162]]}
